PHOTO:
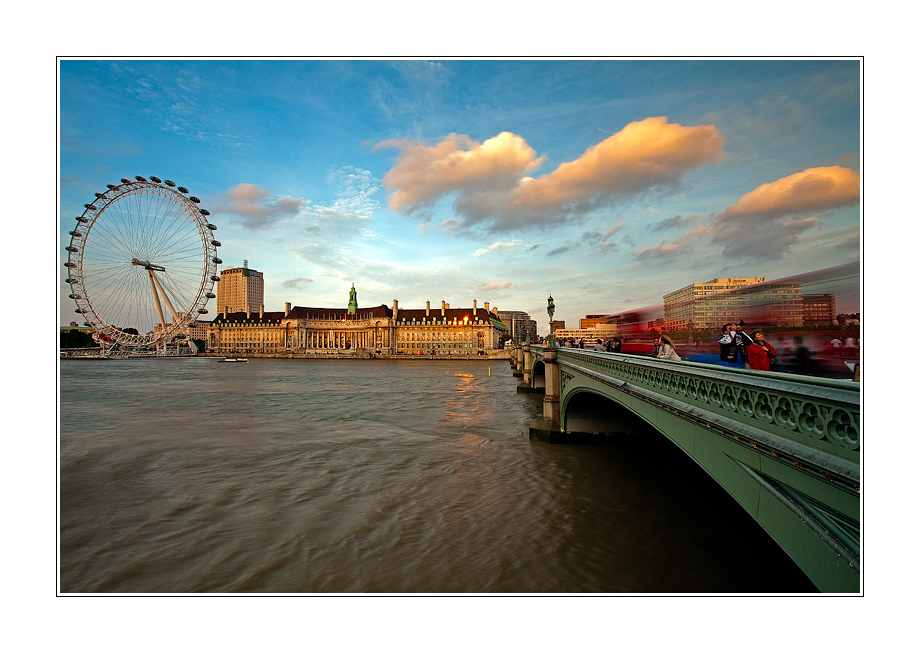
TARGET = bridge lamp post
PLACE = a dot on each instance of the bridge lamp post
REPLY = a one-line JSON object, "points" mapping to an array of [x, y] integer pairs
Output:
{"points": [[550, 309]]}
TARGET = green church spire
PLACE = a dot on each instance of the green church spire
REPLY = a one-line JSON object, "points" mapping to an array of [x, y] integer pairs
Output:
{"points": [[353, 302]]}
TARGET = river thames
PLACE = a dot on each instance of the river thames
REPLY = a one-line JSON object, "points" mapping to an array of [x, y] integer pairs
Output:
{"points": [[343, 476]]}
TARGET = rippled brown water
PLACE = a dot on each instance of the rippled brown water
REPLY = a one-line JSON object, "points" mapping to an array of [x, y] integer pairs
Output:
{"points": [[282, 476]]}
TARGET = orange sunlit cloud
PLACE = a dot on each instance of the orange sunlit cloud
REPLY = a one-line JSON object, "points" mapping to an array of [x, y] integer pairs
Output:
{"points": [[767, 221], [814, 189], [425, 173], [643, 154], [493, 186]]}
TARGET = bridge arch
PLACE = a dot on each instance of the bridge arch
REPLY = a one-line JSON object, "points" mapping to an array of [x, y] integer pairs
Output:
{"points": [[587, 411], [785, 447], [538, 374]]}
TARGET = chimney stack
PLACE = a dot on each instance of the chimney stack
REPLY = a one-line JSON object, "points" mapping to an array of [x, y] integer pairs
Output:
{"points": [[486, 306], [261, 310], [442, 308], [247, 312], [226, 311], [396, 309], [287, 308], [427, 308]]}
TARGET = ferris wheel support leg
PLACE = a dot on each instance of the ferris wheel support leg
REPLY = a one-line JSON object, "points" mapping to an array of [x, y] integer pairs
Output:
{"points": [[153, 288], [165, 299]]}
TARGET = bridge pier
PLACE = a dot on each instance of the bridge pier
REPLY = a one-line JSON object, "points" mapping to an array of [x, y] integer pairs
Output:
{"points": [[518, 361], [526, 385], [548, 428]]}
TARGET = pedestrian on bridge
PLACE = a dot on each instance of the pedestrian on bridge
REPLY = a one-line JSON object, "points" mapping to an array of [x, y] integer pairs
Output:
{"points": [[760, 353], [732, 345], [667, 349]]}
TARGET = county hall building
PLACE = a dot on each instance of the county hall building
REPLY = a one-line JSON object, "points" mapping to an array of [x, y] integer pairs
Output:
{"points": [[379, 330]]}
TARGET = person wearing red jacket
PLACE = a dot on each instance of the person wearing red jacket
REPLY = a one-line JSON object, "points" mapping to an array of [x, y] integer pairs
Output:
{"points": [[760, 353]]}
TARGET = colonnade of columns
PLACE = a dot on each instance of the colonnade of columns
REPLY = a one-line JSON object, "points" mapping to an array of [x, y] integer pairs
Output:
{"points": [[333, 339]]}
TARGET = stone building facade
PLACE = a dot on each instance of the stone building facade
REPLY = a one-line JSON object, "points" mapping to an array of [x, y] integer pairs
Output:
{"points": [[379, 330]]}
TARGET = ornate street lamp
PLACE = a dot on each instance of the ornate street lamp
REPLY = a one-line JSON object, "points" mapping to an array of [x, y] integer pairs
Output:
{"points": [[550, 309]]}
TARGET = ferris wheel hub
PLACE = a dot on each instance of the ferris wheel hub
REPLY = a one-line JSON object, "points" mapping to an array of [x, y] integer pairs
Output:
{"points": [[146, 264]]}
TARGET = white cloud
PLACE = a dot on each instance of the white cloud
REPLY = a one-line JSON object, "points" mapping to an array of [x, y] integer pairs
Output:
{"points": [[499, 246]]}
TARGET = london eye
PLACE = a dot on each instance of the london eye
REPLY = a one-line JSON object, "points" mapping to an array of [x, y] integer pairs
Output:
{"points": [[142, 263]]}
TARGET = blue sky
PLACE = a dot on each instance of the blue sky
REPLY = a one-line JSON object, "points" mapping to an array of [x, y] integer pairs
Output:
{"points": [[606, 182]]}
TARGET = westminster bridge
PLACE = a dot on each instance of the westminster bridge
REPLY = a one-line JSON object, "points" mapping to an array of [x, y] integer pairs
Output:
{"points": [[785, 447]]}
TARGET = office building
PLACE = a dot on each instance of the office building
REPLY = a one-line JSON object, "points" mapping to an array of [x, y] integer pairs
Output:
{"points": [[240, 290]]}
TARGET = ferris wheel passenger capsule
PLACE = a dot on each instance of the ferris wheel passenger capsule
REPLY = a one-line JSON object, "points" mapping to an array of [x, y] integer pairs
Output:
{"points": [[155, 179]]}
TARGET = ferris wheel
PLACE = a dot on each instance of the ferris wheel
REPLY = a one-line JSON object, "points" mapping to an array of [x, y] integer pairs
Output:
{"points": [[143, 259]]}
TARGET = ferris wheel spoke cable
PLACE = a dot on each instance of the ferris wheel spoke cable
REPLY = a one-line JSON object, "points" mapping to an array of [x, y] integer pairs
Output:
{"points": [[104, 250], [110, 232], [120, 224], [165, 220], [114, 301], [166, 237], [177, 249], [166, 242]]}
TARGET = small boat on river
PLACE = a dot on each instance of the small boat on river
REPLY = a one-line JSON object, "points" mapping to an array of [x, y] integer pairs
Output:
{"points": [[235, 360]]}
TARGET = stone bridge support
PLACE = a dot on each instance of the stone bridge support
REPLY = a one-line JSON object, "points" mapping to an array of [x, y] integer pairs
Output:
{"points": [[517, 360], [527, 372], [548, 428]]}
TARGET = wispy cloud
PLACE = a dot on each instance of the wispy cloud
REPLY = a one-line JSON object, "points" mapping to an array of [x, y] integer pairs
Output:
{"points": [[491, 181], [322, 234], [494, 286], [669, 223], [606, 242], [852, 242], [297, 282], [498, 246], [671, 248], [257, 207]]}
